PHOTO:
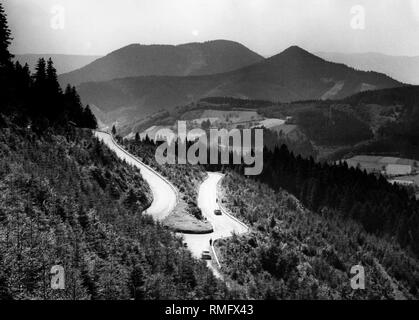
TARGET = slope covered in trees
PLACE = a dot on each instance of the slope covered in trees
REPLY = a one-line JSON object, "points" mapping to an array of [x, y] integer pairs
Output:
{"points": [[382, 209], [334, 128], [294, 253], [399, 137], [372, 122], [66, 199]]}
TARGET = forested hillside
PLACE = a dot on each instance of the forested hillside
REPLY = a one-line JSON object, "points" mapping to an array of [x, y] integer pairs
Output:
{"points": [[385, 210], [399, 137], [333, 127], [294, 253], [66, 199], [370, 122]]}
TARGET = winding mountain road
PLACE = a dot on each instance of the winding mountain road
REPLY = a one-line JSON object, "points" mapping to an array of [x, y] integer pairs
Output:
{"points": [[224, 226], [164, 194], [165, 200]]}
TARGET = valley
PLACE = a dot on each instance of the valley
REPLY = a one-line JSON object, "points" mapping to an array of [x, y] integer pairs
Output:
{"points": [[292, 176]]}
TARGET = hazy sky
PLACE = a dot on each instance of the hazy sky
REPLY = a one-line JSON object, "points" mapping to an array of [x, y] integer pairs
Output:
{"points": [[265, 26]]}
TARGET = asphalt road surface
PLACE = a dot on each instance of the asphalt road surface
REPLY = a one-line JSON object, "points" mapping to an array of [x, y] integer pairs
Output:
{"points": [[224, 226], [165, 200], [164, 195]]}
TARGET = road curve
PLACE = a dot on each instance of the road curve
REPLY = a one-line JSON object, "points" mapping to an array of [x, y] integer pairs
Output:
{"points": [[165, 200], [224, 225], [164, 194]]}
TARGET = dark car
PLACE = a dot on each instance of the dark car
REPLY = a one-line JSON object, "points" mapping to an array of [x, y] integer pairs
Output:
{"points": [[206, 255], [218, 212]]}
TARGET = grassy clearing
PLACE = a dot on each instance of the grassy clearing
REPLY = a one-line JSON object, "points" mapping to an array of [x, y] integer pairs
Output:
{"points": [[180, 221]]}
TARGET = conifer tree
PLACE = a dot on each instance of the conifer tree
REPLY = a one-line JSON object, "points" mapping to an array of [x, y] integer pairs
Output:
{"points": [[23, 76], [40, 73], [73, 106], [89, 119], [51, 77], [5, 39]]}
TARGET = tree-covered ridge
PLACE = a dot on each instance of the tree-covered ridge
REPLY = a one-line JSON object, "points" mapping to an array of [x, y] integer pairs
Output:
{"points": [[37, 100], [232, 102], [66, 199], [294, 253], [334, 127], [382, 209]]}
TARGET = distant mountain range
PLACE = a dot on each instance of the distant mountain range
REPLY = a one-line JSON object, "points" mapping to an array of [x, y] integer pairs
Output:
{"points": [[62, 62], [402, 68], [166, 60], [294, 74]]}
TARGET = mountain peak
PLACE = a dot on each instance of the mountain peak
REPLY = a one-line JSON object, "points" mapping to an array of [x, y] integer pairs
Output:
{"points": [[295, 54], [137, 60], [295, 51], [295, 48]]}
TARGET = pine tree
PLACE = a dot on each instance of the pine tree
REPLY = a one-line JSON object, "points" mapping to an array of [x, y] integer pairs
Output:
{"points": [[39, 106], [51, 78], [89, 119], [5, 39], [6, 67], [131, 199], [40, 73], [113, 130], [23, 77], [138, 282], [54, 101], [73, 106]]}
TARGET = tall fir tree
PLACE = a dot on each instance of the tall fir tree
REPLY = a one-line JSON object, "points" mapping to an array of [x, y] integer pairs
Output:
{"points": [[54, 103], [40, 73], [6, 66], [5, 39], [51, 77], [89, 120]]}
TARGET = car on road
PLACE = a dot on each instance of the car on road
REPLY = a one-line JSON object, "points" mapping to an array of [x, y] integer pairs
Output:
{"points": [[218, 212], [206, 255]]}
